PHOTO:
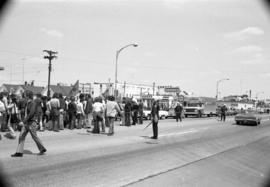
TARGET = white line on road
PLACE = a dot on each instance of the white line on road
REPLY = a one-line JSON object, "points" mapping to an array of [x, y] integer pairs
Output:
{"points": [[178, 133]]}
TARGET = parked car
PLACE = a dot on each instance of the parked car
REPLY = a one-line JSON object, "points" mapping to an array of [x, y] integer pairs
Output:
{"points": [[163, 114], [247, 117]]}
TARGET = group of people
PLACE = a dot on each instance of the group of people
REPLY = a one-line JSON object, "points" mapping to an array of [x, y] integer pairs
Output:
{"points": [[30, 113], [58, 112]]}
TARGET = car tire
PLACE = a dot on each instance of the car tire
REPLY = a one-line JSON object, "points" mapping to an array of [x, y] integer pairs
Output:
{"points": [[237, 122]]}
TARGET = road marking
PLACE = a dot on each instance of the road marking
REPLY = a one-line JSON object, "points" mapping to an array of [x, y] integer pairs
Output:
{"points": [[178, 133]]}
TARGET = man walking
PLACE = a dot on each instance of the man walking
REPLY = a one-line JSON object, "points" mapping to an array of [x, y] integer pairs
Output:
{"points": [[127, 110], [155, 117], [223, 111], [112, 109], [30, 125], [140, 112], [178, 112]]}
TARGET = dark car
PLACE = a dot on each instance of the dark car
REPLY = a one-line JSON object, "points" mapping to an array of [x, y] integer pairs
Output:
{"points": [[248, 117]]}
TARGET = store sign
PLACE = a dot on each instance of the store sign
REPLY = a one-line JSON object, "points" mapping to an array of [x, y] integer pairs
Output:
{"points": [[172, 89]]}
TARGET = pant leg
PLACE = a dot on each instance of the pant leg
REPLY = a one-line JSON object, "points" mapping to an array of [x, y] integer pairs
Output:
{"points": [[4, 122], [177, 116], [103, 120], [33, 132], [23, 134], [127, 118], [61, 121], [141, 117], [155, 129], [111, 125], [136, 117], [180, 116], [73, 121]]}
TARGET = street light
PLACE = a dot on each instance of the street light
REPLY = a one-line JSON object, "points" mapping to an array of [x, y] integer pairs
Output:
{"points": [[219, 81], [116, 63]]}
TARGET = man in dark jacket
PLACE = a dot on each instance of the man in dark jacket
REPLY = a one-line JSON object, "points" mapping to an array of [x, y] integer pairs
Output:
{"points": [[155, 117], [72, 110], [178, 112], [30, 124], [127, 112], [140, 112], [135, 108], [223, 111]]}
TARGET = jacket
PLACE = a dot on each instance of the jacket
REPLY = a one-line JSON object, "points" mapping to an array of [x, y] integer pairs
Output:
{"points": [[33, 108]]}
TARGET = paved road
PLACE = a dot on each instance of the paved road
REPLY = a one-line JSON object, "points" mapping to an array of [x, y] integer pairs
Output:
{"points": [[196, 152]]}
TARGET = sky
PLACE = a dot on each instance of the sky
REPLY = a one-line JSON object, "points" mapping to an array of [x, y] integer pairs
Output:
{"points": [[187, 43]]}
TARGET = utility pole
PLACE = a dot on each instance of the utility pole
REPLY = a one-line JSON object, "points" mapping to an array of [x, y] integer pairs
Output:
{"points": [[23, 69], [51, 55], [109, 86], [125, 89], [153, 88]]}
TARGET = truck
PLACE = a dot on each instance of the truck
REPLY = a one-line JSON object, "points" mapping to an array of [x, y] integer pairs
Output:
{"points": [[193, 107], [210, 109]]}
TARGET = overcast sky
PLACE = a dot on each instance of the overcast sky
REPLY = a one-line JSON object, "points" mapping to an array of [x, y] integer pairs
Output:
{"points": [[186, 43]]}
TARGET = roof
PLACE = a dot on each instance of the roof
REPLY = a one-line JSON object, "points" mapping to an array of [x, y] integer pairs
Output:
{"points": [[34, 89], [11, 86], [65, 90]]}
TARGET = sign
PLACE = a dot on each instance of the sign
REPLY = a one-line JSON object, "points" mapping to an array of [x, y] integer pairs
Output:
{"points": [[173, 89]]}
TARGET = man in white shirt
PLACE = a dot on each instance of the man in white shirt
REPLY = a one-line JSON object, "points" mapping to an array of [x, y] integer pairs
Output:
{"points": [[112, 109], [98, 110]]}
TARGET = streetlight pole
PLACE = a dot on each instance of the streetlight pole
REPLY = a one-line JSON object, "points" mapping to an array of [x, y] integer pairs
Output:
{"points": [[219, 81], [116, 64]]}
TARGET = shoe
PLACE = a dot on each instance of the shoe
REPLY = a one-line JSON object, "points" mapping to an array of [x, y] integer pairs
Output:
{"points": [[42, 152], [110, 134], [17, 155], [153, 137]]}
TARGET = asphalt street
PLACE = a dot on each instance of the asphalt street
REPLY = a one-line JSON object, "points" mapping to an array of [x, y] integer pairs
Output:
{"points": [[195, 152]]}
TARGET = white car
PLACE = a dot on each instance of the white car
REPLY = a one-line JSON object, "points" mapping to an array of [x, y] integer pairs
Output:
{"points": [[162, 114]]}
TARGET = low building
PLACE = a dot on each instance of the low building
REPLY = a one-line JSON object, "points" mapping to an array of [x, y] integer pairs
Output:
{"points": [[131, 90], [19, 89]]}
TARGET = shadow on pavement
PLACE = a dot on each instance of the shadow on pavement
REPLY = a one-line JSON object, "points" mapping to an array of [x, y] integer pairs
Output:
{"points": [[27, 152]]}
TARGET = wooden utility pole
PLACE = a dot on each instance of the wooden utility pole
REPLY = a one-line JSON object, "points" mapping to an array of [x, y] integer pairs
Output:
{"points": [[51, 55], [153, 88], [125, 89]]}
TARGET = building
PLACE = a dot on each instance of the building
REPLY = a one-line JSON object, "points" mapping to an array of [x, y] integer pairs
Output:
{"points": [[64, 90], [12, 88], [131, 90], [19, 89], [169, 90]]}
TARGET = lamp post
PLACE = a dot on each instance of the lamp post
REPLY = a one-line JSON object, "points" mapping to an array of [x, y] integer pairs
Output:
{"points": [[219, 81], [116, 64]]}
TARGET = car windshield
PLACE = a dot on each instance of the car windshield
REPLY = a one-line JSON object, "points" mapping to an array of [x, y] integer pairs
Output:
{"points": [[194, 104]]}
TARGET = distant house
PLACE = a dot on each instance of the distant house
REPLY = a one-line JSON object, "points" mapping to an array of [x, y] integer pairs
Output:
{"points": [[64, 90], [12, 88], [19, 89], [34, 89]]}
